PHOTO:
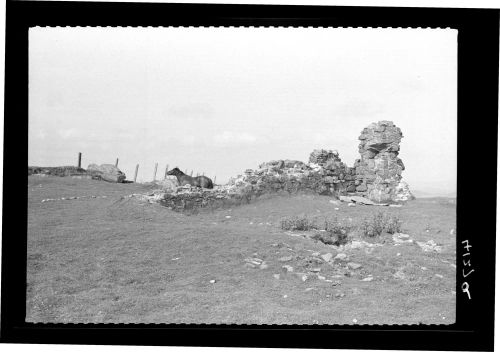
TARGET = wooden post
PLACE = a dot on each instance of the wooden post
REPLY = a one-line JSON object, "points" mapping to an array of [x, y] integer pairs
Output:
{"points": [[156, 168], [215, 177], [79, 159], [166, 170], [191, 173], [136, 169], [116, 164]]}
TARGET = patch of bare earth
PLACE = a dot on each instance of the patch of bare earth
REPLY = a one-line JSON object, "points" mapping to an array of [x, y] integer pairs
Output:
{"points": [[117, 259]]}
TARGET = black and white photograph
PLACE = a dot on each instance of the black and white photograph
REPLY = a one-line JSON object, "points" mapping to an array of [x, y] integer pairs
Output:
{"points": [[244, 175]]}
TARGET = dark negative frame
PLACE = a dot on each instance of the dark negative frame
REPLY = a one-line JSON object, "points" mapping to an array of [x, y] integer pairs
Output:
{"points": [[478, 43]]}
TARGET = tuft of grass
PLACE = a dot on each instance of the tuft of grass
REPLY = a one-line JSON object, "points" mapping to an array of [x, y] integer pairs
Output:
{"points": [[333, 232], [380, 223], [298, 223], [339, 230], [393, 225]]}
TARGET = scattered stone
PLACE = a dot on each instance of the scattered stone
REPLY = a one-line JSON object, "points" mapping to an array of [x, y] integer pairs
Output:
{"points": [[355, 320], [395, 205], [453, 292], [398, 254], [360, 200], [369, 278], [354, 266], [212, 281], [309, 289], [336, 283], [327, 257], [228, 216], [340, 295], [439, 276], [430, 246], [400, 238], [341, 256], [351, 205], [424, 268], [302, 276], [248, 265], [399, 275], [276, 276], [453, 266], [315, 254], [336, 208], [264, 266], [176, 258], [321, 277], [285, 296], [285, 259], [452, 231], [288, 268], [106, 172], [335, 202], [315, 270]]}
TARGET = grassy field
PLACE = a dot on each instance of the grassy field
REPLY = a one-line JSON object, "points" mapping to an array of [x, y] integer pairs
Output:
{"points": [[117, 260]]}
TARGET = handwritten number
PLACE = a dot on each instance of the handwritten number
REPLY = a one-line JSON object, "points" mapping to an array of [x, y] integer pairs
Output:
{"points": [[467, 246], [465, 275]]}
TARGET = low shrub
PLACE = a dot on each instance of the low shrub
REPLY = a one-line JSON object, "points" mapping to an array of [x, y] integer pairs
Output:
{"points": [[339, 229], [335, 232], [298, 223], [326, 237], [393, 225], [379, 223]]}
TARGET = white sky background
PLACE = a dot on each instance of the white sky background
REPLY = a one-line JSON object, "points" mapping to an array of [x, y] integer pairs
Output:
{"points": [[221, 100]]}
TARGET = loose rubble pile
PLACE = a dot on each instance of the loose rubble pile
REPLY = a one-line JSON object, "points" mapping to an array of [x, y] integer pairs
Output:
{"points": [[56, 171], [106, 172], [325, 174], [375, 178], [378, 171]]}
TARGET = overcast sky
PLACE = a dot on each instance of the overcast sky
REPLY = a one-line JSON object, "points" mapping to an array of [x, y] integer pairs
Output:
{"points": [[221, 100]]}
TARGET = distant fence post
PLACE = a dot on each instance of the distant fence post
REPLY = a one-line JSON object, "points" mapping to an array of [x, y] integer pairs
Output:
{"points": [[116, 164], [191, 173], [215, 178], [156, 168], [79, 160], [166, 170], [136, 169]]}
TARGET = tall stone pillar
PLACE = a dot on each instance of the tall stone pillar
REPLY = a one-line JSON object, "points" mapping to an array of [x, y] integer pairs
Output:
{"points": [[378, 171]]}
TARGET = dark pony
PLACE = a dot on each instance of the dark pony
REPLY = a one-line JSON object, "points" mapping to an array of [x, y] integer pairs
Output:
{"points": [[198, 181]]}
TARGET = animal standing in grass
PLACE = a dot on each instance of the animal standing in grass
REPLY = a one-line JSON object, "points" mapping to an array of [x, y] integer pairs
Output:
{"points": [[198, 181]]}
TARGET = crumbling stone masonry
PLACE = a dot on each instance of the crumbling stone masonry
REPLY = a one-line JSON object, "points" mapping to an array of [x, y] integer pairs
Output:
{"points": [[378, 171], [376, 175]]}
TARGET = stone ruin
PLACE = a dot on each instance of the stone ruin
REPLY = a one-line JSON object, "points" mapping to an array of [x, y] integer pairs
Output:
{"points": [[104, 172], [378, 171], [376, 175]]}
